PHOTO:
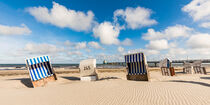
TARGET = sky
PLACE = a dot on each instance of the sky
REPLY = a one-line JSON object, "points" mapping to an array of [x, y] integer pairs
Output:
{"points": [[72, 30]]}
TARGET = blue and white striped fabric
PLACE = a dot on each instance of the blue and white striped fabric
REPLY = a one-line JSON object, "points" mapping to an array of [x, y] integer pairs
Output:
{"points": [[39, 67], [136, 64]]}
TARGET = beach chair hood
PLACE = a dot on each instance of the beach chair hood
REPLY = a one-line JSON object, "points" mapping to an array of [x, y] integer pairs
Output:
{"points": [[87, 67]]}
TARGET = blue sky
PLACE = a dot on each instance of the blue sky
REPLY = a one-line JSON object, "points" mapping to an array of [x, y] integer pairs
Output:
{"points": [[72, 30]]}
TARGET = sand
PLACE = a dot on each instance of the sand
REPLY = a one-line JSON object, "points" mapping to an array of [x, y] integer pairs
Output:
{"points": [[112, 88]]}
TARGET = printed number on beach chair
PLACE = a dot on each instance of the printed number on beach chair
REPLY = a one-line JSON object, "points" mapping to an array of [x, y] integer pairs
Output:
{"points": [[136, 66], [40, 70]]}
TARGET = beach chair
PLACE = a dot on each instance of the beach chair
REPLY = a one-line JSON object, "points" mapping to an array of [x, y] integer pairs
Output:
{"points": [[136, 66], [166, 69], [40, 70], [88, 70], [197, 67], [188, 68]]}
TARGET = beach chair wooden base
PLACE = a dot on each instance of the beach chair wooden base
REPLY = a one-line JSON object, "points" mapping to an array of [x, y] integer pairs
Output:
{"points": [[187, 70], [39, 83], [142, 77], [199, 70], [89, 78], [50, 79], [167, 71]]}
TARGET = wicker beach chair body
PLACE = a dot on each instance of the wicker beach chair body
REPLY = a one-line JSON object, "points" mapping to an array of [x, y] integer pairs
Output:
{"points": [[166, 69], [40, 70], [88, 70], [188, 68], [136, 67]]}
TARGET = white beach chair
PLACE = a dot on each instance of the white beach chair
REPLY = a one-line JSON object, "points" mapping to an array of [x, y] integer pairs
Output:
{"points": [[88, 70], [40, 70], [166, 68], [188, 68], [136, 67], [197, 67]]}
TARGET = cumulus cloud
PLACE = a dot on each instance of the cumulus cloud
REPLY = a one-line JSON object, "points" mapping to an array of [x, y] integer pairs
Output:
{"points": [[107, 33], [205, 25], [14, 30], [74, 53], [81, 45], [169, 33], [199, 41], [94, 45], [158, 44], [62, 17], [120, 49], [146, 51], [127, 42], [198, 9], [135, 17], [68, 43], [42, 48], [177, 51]]}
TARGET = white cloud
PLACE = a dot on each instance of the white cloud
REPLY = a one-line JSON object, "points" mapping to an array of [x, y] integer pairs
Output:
{"points": [[14, 30], [205, 25], [169, 33], [146, 51], [127, 42], [135, 17], [158, 44], [75, 53], [62, 17], [94, 45], [199, 41], [42, 48], [120, 49], [198, 9], [177, 51], [81, 45], [107, 33], [68, 43]]}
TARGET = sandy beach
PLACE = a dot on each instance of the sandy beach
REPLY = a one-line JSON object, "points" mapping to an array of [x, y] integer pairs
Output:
{"points": [[112, 88]]}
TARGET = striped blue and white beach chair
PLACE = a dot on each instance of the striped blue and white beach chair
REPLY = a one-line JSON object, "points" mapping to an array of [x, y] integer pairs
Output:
{"points": [[166, 68], [136, 67], [40, 70]]}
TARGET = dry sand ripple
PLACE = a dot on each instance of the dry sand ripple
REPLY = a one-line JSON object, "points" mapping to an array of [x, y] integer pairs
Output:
{"points": [[111, 89]]}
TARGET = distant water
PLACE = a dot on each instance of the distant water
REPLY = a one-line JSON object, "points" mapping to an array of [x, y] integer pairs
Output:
{"points": [[22, 66]]}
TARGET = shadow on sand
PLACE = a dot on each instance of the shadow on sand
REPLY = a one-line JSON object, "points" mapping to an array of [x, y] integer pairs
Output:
{"points": [[192, 82], [72, 78], [25, 81], [78, 79], [108, 78], [205, 78]]}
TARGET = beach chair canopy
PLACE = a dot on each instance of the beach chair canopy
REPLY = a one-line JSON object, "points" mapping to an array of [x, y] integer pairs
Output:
{"points": [[197, 63], [87, 67], [39, 67], [187, 64], [136, 63], [165, 63]]}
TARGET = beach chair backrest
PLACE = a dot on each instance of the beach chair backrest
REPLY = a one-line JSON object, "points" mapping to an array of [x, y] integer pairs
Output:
{"points": [[39, 67], [87, 67], [165, 63], [136, 63]]}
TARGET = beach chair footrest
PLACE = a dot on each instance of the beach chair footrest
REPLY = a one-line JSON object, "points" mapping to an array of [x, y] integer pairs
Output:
{"points": [[142, 77]]}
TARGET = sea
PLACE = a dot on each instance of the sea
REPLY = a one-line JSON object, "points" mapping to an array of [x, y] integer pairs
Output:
{"points": [[74, 66]]}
